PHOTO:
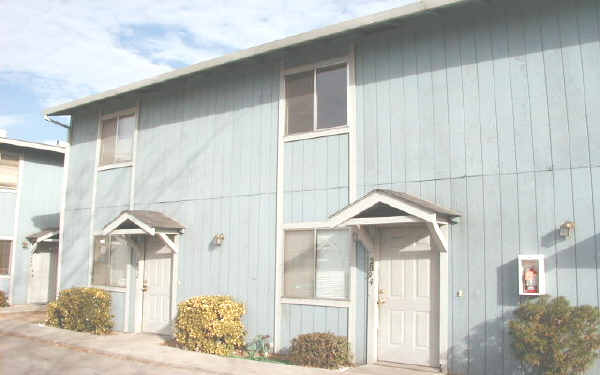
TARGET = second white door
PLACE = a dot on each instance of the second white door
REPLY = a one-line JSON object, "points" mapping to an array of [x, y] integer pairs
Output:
{"points": [[156, 311], [408, 291]]}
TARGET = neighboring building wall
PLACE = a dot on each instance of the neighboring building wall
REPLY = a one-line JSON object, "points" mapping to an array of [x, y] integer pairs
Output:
{"points": [[40, 184], [492, 110]]}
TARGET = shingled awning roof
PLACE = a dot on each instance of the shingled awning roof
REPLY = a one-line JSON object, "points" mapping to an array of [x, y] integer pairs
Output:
{"points": [[43, 235], [152, 223], [384, 207]]}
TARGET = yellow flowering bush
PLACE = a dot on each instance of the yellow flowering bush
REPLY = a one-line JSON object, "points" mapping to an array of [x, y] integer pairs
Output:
{"points": [[3, 299], [83, 310], [210, 324]]}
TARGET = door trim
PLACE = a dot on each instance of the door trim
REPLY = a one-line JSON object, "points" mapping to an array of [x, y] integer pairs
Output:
{"points": [[373, 309]]}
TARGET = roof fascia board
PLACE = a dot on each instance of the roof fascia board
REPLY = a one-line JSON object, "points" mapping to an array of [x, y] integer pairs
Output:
{"points": [[32, 145], [292, 41]]}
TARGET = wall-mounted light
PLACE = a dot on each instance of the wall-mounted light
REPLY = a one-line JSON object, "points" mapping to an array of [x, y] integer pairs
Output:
{"points": [[218, 239], [566, 229]]}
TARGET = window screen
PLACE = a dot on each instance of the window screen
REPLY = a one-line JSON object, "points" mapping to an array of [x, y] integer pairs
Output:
{"points": [[5, 257], [299, 91], [317, 265], [9, 170], [331, 97], [333, 264]]}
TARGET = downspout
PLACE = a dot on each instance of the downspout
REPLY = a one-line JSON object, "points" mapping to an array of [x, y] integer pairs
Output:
{"points": [[56, 122]]}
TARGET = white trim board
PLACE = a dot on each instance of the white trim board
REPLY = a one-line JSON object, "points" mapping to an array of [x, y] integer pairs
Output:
{"points": [[32, 145], [14, 243]]}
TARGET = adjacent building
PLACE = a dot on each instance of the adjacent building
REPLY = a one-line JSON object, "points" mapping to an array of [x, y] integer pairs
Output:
{"points": [[31, 180], [404, 179]]}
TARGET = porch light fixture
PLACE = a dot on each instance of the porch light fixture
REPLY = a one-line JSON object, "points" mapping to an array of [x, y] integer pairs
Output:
{"points": [[218, 239], [566, 229]]}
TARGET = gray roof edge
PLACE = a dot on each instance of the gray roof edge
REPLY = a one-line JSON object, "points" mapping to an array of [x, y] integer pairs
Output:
{"points": [[32, 145], [327, 31]]}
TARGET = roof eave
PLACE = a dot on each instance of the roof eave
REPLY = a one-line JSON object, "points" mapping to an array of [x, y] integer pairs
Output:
{"points": [[295, 40]]}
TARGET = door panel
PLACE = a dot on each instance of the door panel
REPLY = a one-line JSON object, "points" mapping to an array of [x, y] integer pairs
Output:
{"points": [[42, 278], [408, 289], [156, 311]]}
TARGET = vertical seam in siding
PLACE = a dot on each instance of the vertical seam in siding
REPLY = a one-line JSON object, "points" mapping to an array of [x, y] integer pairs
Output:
{"points": [[548, 106]]}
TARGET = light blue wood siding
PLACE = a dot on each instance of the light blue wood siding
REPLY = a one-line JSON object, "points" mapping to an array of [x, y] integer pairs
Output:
{"points": [[117, 310], [8, 199], [362, 267], [494, 118], [206, 156], [300, 319], [315, 178], [4, 284]]}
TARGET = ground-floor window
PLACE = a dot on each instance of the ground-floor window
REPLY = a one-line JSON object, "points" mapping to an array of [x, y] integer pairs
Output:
{"points": [[317, 263], [5, 247], [111, 256]]}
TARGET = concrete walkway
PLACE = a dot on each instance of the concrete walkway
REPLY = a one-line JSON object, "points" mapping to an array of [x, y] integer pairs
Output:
{"points": [[23, 308], [152, 350]]}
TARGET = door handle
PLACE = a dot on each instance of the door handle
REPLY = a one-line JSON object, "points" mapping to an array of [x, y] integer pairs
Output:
{"points": [[145, 286], [381, 301]]}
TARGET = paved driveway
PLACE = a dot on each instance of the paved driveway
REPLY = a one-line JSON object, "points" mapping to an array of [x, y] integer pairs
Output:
{"points": [[20, 355]]}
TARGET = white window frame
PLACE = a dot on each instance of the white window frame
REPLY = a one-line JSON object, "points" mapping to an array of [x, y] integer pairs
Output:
{"points": [[315, 133], [314, 300], [117, 115], [10, 256], [13, 189]]}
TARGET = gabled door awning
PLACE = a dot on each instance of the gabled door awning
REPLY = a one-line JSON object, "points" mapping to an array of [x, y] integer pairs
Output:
{"points": [[47, 235], [151, 223], [381, 207]]}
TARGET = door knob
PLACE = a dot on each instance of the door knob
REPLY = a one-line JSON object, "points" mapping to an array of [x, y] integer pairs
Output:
{"points": [[145, 287], [380, 301]]}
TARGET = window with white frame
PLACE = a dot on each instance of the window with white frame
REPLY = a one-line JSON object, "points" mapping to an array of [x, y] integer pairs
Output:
{"points": [[117, 138], [5, 247], [317, 264], [9, 170], [111, 256], [316, 99]]}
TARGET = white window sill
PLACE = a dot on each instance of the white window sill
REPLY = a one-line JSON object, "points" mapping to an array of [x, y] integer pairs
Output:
{"points": [[317, 133], [110, 288], [4, 276], [8, 190], [116, 165], [315, 302]]}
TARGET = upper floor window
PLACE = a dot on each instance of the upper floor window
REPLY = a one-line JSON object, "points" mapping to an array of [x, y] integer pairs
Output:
{"points": [[316, 99], [9, 170], [5, 257], [117, 138], [317, 264]]}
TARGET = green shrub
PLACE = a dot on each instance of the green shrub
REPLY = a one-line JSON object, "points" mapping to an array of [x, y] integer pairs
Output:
{"points": [[210, 324], [554, 338], [3, 299], [324, 350], [83, 310]]}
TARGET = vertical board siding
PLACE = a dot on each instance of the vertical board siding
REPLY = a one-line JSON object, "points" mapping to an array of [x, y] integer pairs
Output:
{"points": [[361, 302], [39, 208], [315, 178], [8, 199], [300, 319], [117, 308], [112, 187], [496, 119]]}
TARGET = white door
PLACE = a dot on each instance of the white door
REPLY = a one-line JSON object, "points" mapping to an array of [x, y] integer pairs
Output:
{"points": [[156, 311], [42, 278], [408, 295]]}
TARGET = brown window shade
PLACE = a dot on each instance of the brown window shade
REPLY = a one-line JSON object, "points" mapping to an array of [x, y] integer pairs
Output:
{"points": [[299, 94], [5, 257], [9, 170], [109, 132]]}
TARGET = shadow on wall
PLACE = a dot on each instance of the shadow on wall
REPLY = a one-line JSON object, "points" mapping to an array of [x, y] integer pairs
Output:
{"points": [[46, 221]]}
